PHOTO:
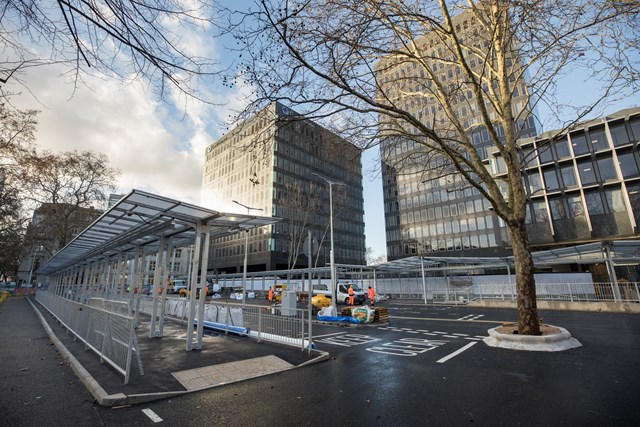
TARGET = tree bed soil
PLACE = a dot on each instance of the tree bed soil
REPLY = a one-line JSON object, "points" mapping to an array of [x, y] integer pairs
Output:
{"points": [[512, 329]]}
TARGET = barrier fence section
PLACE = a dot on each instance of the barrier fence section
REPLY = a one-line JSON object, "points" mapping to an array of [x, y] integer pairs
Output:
{"points": [[282, 324], [572, 292], [110, 335]]}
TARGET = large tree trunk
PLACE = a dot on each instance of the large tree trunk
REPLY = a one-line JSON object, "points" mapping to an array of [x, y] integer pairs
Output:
{"points": [[528, 321]]}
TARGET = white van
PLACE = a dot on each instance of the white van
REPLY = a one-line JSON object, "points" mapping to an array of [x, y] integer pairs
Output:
{"points": [[342, 292]]}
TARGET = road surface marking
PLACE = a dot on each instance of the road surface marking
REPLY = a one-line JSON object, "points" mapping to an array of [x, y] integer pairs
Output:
{"points": [[455, 353], [348, 340], [154, 417], [407, 347], [329, 335]]}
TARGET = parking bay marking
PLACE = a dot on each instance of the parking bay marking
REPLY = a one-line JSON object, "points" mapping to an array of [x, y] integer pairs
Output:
{"points": [[457, 352], [348, 340], [152, 415], [407, 347]]}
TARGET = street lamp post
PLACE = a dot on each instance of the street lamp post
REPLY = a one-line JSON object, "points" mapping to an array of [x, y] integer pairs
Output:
{"points": [[331, 260], [246, 247]]}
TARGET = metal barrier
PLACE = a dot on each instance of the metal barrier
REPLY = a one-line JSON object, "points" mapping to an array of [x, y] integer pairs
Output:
{"points": [[572, 292], [287, 325], [110, 335]]}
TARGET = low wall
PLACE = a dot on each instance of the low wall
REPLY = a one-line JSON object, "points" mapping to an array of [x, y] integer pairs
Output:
{"points": [[611, 307]]}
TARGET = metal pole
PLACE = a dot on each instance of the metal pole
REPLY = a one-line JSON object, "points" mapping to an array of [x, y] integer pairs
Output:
{"points": [[310, 289], [331, 255], [424, 284], [246, 247]]}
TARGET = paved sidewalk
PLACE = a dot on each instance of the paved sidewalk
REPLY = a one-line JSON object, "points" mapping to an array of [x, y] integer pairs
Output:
{"points": [[34, 378], [223, 359]]}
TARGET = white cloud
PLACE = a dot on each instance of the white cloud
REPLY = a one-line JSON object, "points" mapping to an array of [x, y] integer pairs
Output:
{"points": [[157, 148]]}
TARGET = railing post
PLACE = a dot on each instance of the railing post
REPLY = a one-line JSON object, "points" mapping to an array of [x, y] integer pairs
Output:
{"points": [[259, 323], [570, 294], [226, 330]]}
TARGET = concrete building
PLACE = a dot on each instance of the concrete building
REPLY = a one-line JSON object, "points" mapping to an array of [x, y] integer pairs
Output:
{"points": [[52, 226], [429, 208], [583, 185], [277, 163]]}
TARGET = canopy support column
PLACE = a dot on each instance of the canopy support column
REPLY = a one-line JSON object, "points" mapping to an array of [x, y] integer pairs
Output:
{"points": [[200, 258]]}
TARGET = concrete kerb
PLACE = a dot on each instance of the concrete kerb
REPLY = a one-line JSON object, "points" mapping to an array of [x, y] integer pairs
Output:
{"points": [[119, 399], [556, 342]]}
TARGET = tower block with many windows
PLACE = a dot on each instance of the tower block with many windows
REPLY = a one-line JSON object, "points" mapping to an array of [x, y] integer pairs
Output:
{"points": [[429, 208], [271, 164]]}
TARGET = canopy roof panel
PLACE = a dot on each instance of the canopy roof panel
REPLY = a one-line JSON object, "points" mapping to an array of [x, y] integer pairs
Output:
{"points": [[621, 251], [140, 220]]}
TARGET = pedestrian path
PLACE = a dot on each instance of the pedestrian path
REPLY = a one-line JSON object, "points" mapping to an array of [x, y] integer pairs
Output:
{"points": [[161, 358]]}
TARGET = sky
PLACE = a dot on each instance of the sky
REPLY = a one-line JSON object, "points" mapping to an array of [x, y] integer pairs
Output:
{"points": [[159, 148], [156, 147]]}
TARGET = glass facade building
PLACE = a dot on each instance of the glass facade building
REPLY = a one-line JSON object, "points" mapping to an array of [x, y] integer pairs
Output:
{"points": [[582, 185], [274, 162], [429, 208]]}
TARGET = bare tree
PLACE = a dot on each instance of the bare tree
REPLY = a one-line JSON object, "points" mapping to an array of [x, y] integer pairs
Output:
{"points": [[17, 129], [115, 38], [367, 65], [65, 188], [299, 202]]}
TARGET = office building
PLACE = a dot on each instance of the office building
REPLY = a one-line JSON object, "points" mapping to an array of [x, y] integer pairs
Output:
{"points": [[583, 185], [430, 210], [277, 163]]}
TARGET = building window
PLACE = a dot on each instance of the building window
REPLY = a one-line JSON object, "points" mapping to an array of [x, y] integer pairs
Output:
{"points": [[634, 198], [607, 171], [575, 206], [619, 134], [628, 165], [594, 203], [551, 179], [544, 152], [535, 183], [635, 128], [568, 176], [558, 210], [587, 174], [579, 143], [501, 166], [615, 202], [562, 148], [598, 139]]}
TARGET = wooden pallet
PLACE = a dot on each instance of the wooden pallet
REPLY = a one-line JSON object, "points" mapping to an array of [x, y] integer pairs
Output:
{"points": [[381, 314]]}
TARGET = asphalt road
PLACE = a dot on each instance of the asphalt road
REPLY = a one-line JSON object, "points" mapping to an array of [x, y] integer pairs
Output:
{"points": [[430, 367]]}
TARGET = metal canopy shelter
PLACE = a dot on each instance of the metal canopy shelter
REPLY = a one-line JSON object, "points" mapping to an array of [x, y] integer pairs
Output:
{"points": [[140, 219], [138, 225], [618, 252]]}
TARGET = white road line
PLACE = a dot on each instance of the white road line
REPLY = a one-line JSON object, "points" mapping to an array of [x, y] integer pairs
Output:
{"points": [[462, 335], [154, 417], [329, 335], [450, 336], [455, 353], [429, 333], [440, 332], [473, 339], [412, 332]]}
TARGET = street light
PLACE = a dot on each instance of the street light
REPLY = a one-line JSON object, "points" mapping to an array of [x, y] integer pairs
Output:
{"points": [[331, 262], [246, 246]]}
